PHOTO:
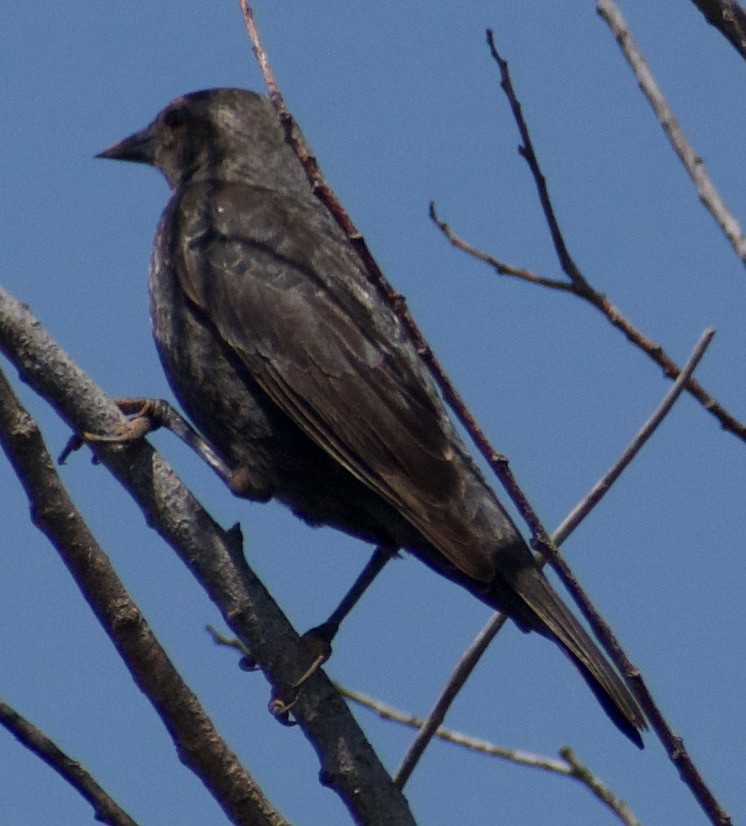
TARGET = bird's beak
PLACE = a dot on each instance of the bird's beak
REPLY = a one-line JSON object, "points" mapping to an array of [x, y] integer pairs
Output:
{"points": [[139, 148]]}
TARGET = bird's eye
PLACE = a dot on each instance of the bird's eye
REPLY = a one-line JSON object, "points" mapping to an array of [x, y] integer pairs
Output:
{"points": [[176, 116]]}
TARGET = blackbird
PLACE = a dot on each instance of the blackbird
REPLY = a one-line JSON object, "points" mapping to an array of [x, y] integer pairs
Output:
{"points": [[287, 358]]}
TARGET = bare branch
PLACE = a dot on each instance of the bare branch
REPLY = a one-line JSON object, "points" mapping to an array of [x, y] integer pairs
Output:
{"points": [[526, 150], [581, 285], [694, 165], [673, 744], [617, 319], [582, 773], [107, 810], [729, 18], [497, 462], [501, 267], [602, 487], [460, 674], [199, 745], [215, 557], [569, 766]]}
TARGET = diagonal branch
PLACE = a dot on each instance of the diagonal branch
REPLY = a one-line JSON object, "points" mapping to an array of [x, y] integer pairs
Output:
{"points": [[215, 557], [474, 653], [568, 766], [389, 294], [602, 487], [107, 810], [497, 462], [729, 17], [578, 283], [199, 745], [693, 163]]}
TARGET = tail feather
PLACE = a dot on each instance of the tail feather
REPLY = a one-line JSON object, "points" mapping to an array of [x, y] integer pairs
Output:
{"points": [[549, 616]]}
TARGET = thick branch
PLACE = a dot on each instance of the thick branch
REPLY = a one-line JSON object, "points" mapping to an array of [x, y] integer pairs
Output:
{"points": [[348, 764], [198, 743]]}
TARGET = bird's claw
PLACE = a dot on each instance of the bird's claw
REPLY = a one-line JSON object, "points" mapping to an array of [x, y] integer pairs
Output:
{"points": [[280, 707], [146, 417], [130, 431], [318, 642]]}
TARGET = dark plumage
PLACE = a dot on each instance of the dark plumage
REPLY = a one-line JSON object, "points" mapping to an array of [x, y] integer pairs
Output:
{"points": [[295, 369]]}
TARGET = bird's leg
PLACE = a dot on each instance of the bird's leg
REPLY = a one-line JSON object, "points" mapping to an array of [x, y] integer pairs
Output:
{"points": [[319, 639], [148, 415]]}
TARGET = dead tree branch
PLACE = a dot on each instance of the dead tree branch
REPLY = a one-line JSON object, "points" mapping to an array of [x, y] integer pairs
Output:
{"points": [[568, 766], [215, 557], [693, 163], [199, 745], [106, 809]]}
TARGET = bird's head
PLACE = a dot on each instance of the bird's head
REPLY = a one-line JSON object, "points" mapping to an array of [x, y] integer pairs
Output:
{"points": [[217, 134]]}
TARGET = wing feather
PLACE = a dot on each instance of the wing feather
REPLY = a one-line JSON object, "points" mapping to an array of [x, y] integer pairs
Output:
{"points": [[287, 293]]}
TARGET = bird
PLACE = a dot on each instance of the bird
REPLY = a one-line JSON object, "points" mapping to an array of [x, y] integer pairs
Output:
{"points": [[285, 356]]}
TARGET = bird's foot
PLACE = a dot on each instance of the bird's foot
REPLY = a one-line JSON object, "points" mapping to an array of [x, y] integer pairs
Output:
{"points": [[318, 641], [147, 415]]}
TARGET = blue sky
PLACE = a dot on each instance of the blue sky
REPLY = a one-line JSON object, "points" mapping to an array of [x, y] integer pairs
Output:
{"points": [[401, 105]]}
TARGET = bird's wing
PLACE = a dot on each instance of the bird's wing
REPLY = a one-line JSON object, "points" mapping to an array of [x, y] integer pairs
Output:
{"points": [[287, 293]]}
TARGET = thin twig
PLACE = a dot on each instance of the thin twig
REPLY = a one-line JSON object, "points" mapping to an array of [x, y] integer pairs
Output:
{"points": [[215, 557], [460, 674], [583, 774], [568, 766], [612, 314], [582, 286], [501, 267], [106, 808], [693, 163], [474, 652], [601, 488], [200, 746]]}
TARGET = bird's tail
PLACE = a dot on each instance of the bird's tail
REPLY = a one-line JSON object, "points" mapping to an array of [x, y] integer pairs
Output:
{"points": [[550, 617]]}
